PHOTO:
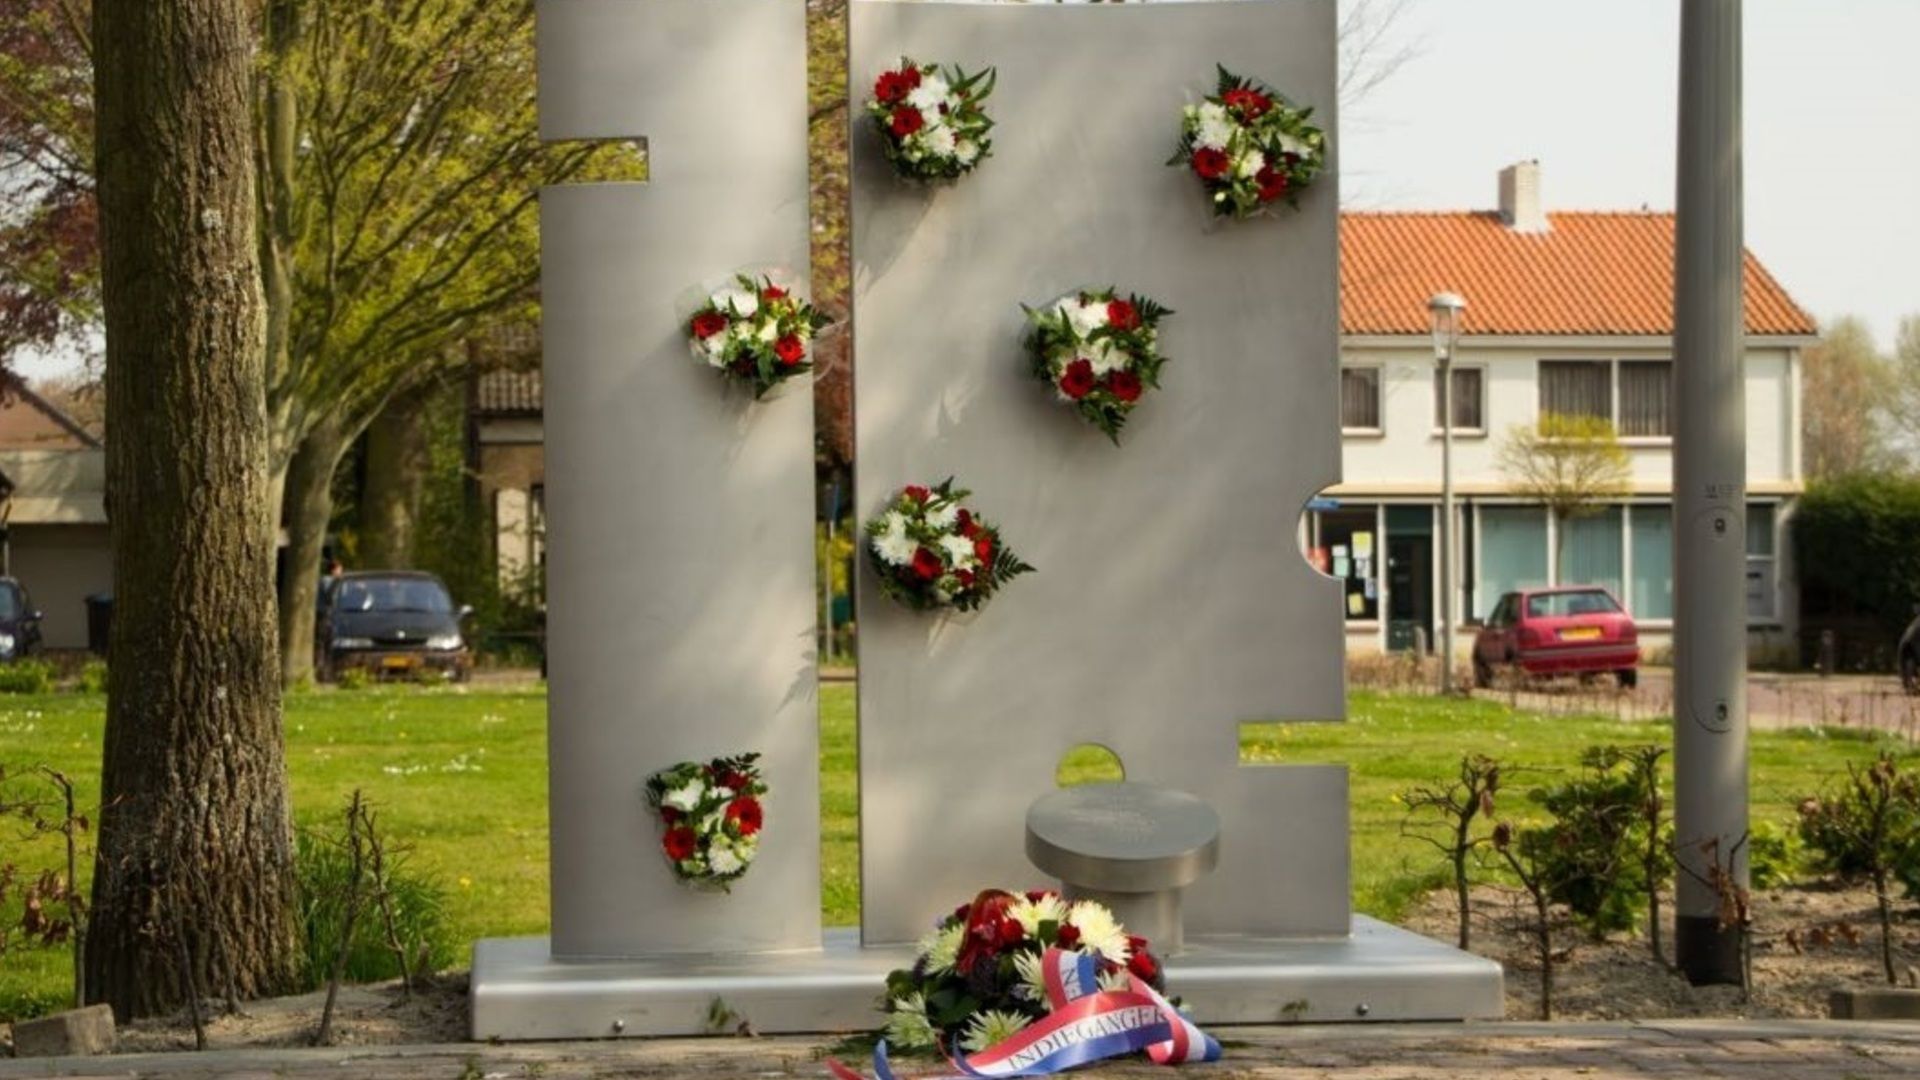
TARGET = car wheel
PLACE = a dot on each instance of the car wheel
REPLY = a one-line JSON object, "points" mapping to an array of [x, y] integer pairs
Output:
{"points": [[1482, 674], [1910, 673], [1628, 678]]}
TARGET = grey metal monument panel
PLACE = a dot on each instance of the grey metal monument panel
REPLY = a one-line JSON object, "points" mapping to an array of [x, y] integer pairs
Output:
{"points": [[679, 510], [1172, 602]]}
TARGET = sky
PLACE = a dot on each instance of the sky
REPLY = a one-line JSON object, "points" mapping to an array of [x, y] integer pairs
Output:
{"points": [[1832, 100]]}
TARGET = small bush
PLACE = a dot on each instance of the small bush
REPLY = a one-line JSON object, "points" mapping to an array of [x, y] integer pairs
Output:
{"points": [[324, 871], [1592, 864], [1776, 857], [26, 677], [92, 678], [352, 678]]}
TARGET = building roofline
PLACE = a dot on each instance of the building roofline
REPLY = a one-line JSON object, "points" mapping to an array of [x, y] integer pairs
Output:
{"points": [[14, 384]]}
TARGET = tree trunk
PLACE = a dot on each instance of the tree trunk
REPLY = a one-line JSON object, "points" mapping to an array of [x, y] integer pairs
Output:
{"points": [[309, 507], [195, 847], [1463, 893], [1886, 924], [396, 472], [1544, 927]]}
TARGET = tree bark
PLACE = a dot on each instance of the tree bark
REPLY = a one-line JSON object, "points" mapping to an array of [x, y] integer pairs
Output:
{"points": [[396, 472], [309, 508], [195, 851]]}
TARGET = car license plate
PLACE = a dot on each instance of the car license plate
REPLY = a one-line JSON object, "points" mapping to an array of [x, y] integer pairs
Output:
{"points": [[397, 663], [1580, 633]]}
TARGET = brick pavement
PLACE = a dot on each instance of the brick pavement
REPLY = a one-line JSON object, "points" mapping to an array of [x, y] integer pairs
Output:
{"points": [[1730, 1050]]}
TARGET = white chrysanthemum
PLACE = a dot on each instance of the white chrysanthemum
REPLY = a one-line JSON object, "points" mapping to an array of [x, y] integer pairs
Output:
{"points": [[1116, 981], [932, 93], [990, 1028], [941, 141], [944, 515], [1100, 932], [724, 860], [685, 799], [893, 545], [966, 151], [959, 551], [1214, 128], [741, 302], [907, 1025], [1105, 357], [1031, 913], [1248, 167], [1033, 976], [769, 330], [1088, 317], [941, 948], [1291, 145]]}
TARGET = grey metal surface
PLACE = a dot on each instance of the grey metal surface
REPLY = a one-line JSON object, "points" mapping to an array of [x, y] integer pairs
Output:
{"points": [[1125, 837], [679, 510], [520, 992], [1172, 602], [1709, 491]]}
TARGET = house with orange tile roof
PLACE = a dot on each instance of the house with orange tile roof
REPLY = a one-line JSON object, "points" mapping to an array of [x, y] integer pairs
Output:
{"points": [[1567, 312], [53, 515]]}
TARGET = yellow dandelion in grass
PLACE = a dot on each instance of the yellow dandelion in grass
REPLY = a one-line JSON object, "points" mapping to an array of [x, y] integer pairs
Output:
{"points": [[466, 882]]}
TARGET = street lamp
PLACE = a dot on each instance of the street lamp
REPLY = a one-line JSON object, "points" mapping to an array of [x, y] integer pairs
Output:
{"points": [[1445, 309]]}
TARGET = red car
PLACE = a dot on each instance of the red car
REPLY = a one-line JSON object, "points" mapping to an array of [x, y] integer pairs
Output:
{"points": [[1574, 630]]}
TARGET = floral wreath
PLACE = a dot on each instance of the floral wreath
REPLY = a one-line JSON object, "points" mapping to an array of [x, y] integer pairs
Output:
{"points": [[931, 552], [1250, 147], [710, 816], [756, 332], [931, 121], [1099, 352], [977, 978]]}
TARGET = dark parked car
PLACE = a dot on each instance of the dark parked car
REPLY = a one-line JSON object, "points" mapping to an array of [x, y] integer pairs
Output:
{"points": [[19, 621], [390, 623], [1909, 655], [1580, 630]]}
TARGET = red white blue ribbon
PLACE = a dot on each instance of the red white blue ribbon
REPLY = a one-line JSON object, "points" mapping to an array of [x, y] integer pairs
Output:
{"points": [[1087, 1024]]}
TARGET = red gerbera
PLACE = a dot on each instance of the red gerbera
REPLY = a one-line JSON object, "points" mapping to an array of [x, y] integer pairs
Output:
{"points": [[1143, 965], [1067, 937], [790, 350], [1123, 315], [1273, 184], [894, 85], [916, 493], [963, 522], [966, 578], [926, 564], [733, 781], [1211, 164], [680, 843], [1077, 380], [906, 121], [1124, 385], [745, 812], [983, 548], [708, 323], [773, 292], [1251, 103]]}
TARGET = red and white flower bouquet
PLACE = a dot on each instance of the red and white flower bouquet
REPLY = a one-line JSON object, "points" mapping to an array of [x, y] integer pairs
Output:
{"points": [[1099, 351], [931, 552], [756, 332], [977, 978], [1250, 148], [710, 817], [931, 120]]}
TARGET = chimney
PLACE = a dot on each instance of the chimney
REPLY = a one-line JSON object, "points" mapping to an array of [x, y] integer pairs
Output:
{"points": [[1520, 197]]}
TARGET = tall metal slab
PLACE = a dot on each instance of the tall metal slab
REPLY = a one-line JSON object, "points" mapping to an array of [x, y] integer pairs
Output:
{"points": [[679, 510], [1172, 603]]}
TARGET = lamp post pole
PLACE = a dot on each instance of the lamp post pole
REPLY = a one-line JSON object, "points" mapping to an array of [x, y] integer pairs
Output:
{"points": [[1445, 309], [1709, 498]]}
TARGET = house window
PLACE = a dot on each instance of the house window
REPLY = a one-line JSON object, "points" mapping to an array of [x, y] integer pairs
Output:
{"points": [[1760, 562], [1577, 388], [1646, 393], [1651, 538], [1360, 399], [1513, 552], [1591, 550], [1348, 547], [1469, 407]]}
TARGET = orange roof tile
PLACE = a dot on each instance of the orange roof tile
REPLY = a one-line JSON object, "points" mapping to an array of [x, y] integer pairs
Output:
{"points": [[1590, 273]]}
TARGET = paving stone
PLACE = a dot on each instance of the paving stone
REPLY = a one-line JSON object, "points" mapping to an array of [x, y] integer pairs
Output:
{"points": [[76, 1032], [1874, 1003]]}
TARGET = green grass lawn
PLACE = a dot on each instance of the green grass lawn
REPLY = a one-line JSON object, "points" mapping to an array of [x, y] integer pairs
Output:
{"points": [[461, 776]]}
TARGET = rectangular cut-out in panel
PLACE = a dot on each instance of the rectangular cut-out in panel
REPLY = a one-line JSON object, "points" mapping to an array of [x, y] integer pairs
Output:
{"points": [[679, 510], [1171, 601]]}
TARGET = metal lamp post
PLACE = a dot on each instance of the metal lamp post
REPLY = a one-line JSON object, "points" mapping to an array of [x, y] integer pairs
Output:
{"points": [[1445, 309]]}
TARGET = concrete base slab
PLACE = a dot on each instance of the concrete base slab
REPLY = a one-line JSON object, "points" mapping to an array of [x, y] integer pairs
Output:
{"points": [[1379, 972], [1874, 1003]]}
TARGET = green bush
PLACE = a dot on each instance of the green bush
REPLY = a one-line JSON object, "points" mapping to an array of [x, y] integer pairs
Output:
{"points": [[1591, 855], [1776, 856], [1859, 567], [92, 678], [324, 872], [352, 678], [26, 677]]}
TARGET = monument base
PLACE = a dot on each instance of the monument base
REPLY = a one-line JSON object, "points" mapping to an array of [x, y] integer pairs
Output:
{"points": [[1380, 972]]}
